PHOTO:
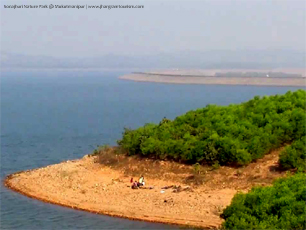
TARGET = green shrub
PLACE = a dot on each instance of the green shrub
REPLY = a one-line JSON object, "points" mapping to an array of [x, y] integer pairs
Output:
{"points": [[197, 168], [294, 156], [215, 165], [279, 207], [234, 134]]}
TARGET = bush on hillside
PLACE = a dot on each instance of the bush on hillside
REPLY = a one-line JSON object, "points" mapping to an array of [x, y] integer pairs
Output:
{"points": [[294, 156], [279, 207], [234, 134]]}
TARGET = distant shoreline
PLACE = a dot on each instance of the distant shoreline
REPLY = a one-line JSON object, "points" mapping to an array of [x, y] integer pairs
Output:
{"points": [[213, 80]]}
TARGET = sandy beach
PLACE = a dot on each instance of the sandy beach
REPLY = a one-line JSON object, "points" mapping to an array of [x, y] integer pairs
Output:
{"points": [[207, 77], [104, 188]]}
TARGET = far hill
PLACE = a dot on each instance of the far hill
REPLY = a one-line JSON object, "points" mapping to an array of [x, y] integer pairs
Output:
{"points": [[219, 59]]}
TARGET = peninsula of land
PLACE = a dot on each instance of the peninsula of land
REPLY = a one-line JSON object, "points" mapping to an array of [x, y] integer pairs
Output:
{"points": [[276, 77], [174, 193]]}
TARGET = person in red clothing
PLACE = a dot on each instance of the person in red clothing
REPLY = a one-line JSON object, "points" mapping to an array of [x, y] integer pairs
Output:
{"points": [[135, 185]]}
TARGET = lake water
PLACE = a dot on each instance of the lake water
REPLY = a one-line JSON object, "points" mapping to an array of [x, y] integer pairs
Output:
{"points": [[51, 116]]}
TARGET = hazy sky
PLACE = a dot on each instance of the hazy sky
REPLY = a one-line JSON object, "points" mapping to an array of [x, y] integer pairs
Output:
{"points": [[161, 27]]}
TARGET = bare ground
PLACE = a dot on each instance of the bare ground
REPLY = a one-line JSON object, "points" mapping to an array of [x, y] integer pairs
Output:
{"points": [[101, 184], [301, 82]]}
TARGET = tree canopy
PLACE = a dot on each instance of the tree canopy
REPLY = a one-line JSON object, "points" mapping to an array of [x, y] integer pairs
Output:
{"points": [[234, 134], [281, 206]]}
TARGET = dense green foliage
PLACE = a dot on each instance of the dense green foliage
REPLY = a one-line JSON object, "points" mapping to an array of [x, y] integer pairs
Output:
{"points": [[294, 156], [279, 207], [234, 134]]}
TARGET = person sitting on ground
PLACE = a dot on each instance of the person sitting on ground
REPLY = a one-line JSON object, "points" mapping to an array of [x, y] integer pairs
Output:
{"points": [[135, 185], [141, 181]]}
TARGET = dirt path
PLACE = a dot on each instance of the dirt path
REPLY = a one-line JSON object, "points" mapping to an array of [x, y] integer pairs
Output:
{"points": [[88, 185]]}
